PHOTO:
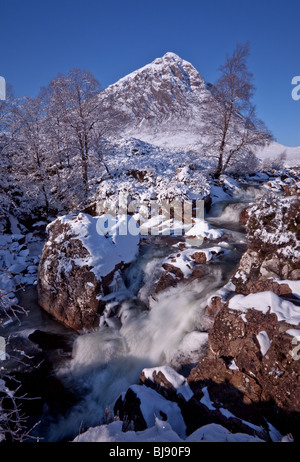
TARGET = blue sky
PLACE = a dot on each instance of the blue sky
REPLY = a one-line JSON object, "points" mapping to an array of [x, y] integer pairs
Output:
{"points": [[40, 38]]}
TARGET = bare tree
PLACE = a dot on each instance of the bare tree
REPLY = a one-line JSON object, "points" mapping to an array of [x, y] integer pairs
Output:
{"points": [[231, 127]]}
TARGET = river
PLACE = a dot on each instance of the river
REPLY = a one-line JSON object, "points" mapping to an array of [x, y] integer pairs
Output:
{"points": [[169, 328]]}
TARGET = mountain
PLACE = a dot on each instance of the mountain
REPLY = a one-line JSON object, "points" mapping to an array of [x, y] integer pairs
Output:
{"points": [[159, 103]]}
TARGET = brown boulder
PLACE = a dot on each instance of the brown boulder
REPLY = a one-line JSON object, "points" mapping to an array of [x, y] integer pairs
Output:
{"points": [[267, 379], [76, 269]]}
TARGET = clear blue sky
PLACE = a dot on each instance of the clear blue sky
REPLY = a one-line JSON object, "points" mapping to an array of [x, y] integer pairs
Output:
{"points": [[40, 38]]}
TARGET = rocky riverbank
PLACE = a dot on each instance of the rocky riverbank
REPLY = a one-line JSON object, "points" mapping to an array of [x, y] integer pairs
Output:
{"points": [[243, 384], [248, 383]]}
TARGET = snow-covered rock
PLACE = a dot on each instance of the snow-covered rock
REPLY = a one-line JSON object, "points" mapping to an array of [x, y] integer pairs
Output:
{"points": [[78, 265]]}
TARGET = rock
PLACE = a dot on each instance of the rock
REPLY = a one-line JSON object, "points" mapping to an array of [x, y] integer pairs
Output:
{"points": [[169, 268], [214, 306], [167, 280], [199, 257], [128, 410], [264, 375], [77, 266], [246, 284], [138, 407], [273, 246], [182, 266], [167, 382], [244, 216], [50, 341]]}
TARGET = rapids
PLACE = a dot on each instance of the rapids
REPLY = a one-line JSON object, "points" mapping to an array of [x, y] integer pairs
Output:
{"points": [[139, 331]]}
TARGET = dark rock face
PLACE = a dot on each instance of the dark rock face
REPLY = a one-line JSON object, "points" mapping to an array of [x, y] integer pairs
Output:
{"points": [[128, 410]]}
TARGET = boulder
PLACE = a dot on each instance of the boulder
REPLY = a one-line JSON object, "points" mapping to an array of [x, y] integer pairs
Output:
{"points": [[77, 267], [252, 353], [273, 233], [183, 266]]}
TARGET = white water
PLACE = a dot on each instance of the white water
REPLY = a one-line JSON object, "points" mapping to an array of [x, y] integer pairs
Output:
{"points": [[105, 363]]}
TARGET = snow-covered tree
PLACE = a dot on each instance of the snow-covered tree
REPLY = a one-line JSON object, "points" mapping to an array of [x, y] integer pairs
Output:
{"points": [[75, 104], [231, 127]]}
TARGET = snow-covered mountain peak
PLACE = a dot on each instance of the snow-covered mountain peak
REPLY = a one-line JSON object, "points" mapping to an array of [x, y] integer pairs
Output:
{"points": [[168, 67], [160, 97]]}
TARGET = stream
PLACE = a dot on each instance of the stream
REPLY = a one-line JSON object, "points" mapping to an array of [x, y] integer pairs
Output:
{"points": [[168, 328]]}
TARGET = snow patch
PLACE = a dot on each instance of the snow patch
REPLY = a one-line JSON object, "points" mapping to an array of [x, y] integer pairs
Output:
{"points": [[267, 301]]}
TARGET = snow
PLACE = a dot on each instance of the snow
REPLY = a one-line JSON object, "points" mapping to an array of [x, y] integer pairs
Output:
{"points": [[105, 250], [294, 333], [203, 229], [159, 432], [177, 381], [152, 404], [232, 365], [274, 434], [162, 431], [264, 342], [206, 400], [216, 433], [229, 415], [224, 292], [265, 301]]}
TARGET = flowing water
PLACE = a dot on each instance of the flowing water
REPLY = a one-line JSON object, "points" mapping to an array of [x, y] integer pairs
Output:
{"points": [[148, 330]]}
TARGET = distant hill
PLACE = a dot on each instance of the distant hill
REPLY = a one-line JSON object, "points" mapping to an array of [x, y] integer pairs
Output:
{"points": [[275, 149]]}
